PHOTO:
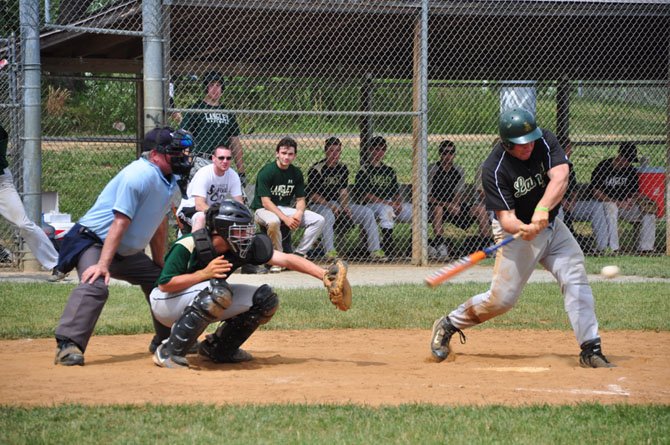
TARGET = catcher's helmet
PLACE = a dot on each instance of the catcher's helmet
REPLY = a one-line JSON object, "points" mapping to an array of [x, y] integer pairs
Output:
{"points": [[517, 126], [233, 221]]}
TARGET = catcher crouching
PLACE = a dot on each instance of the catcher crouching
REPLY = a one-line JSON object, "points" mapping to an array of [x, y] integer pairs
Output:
{"points": [[193, 291]]}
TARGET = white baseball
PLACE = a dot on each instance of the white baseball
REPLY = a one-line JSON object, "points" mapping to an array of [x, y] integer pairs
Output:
{"points": [[609, 271]]}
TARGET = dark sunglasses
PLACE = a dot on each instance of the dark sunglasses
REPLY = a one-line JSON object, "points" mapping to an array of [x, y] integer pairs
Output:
{"points": [[224, 158]]}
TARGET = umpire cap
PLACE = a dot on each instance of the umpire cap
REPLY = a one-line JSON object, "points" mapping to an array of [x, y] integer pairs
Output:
{"points": [[158, 137]]}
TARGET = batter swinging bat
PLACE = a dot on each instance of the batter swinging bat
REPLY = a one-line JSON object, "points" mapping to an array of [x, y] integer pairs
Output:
{"points": [[455, 267]]}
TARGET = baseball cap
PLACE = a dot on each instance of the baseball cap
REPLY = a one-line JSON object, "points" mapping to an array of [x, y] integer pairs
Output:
{"points": [[156, 137], [332, 141], [212, 76], [628, 151]]}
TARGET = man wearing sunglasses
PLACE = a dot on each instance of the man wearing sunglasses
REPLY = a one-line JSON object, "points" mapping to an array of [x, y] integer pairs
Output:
{"points": [[211, 185]]}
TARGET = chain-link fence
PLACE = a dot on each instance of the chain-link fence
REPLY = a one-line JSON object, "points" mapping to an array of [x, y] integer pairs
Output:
{"points": [[415, 73]]}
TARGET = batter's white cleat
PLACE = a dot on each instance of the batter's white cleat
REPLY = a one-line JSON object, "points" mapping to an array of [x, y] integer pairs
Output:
{"points": [[442, 332]]}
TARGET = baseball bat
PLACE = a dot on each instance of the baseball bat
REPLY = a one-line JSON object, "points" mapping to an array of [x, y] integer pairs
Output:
{"points": [[457, 266]]}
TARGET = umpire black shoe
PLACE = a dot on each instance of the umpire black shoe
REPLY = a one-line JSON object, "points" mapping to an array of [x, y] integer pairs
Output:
{"points": [[69, 354], [442, 332], [592, 355]]}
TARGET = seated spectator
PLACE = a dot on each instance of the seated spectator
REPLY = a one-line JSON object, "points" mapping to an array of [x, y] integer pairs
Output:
{"points": [[378, 188], [446, 202], [210, 185], [329, 197], [578, 205], [615, 183], [278, 183]]}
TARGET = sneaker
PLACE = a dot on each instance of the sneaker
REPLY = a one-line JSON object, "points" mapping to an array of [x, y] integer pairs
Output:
{"points": [[164, 359], [275, 269], [69, 354], [56, 275], [443, 252], [378, 256], [331, 254], [592, 356], [156, 342], [442, 332], [249, 269], [238, 356]]}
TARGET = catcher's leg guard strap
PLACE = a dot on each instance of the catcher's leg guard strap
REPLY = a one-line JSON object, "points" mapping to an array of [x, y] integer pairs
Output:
{"points": [[205, 309], [235, 331]]}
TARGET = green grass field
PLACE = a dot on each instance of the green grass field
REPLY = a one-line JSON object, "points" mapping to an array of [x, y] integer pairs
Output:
{"points": [[32, 310]]}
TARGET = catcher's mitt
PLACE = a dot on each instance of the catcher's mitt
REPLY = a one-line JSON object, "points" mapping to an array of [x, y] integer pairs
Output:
{"points": [[339, 289], [648, 205]]}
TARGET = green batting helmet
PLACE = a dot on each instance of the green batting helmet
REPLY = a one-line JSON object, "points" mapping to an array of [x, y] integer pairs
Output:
{"points": [[517, 126]]}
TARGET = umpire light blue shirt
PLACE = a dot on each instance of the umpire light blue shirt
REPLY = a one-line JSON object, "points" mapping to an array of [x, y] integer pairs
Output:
{"points": [[142, 193]]}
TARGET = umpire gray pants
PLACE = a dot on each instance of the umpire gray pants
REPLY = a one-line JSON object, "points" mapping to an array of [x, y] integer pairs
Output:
{"points": [[556, 249], [87, 300]]}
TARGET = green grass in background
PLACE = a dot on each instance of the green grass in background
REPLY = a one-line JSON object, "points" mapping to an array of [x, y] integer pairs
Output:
{"points": [[32, 310], [346, 424]]}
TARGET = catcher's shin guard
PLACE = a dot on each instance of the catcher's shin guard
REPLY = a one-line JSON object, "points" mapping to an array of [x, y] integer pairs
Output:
{"points": [[208, 306], [223, 346]]}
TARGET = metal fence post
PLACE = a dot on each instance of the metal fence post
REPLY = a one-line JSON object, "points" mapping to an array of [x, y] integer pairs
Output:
{"points": [[153, 64], [32, 156]]}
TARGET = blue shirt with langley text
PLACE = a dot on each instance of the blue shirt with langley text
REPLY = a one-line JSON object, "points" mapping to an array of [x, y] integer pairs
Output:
{"points": [[142, 193]]}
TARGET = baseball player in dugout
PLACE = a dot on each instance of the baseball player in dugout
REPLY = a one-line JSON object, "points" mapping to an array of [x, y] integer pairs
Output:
{"points": [[214, 128], [193, 292], [524, 180], [109, 240]]}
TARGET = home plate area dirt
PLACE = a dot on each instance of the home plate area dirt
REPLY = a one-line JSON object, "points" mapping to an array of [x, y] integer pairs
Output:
{"points": [[367, 367]]}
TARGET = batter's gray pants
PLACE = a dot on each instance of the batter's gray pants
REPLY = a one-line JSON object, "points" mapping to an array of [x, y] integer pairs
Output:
{"points": [[360, 215], [556, 249], [87, 300], [311, 222]]}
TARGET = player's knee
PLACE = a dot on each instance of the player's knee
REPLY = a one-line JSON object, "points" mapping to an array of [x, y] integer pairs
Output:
{"points": [[213, 300], [501, 301], [265, 303]]}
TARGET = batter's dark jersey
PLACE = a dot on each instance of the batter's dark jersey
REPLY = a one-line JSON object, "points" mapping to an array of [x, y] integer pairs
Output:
{"points": [[327, 181], [182, 258], [618, 185], [510, 183]]}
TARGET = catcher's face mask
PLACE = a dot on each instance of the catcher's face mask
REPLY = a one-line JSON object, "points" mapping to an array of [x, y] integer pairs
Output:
{"points": [[240, 238]]}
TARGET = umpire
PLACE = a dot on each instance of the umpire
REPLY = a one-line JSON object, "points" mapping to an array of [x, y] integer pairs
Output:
{"points": [[524, 180], [109, 240]]}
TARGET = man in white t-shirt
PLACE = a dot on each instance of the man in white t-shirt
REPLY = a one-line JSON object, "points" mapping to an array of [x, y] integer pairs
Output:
{"points": [[211, 185]]}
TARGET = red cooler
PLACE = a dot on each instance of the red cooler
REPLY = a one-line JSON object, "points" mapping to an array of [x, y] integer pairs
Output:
{"points": [[652, 184]]}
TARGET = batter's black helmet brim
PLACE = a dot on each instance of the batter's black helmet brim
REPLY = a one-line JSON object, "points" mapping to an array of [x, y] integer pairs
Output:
{"points": [[530, 137]]}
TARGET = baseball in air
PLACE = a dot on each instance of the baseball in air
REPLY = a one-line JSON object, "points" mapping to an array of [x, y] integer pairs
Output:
{"points": [[609, 271]]}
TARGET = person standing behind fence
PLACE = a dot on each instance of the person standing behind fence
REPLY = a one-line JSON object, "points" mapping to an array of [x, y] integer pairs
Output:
{"points": [[214, 128], [11, 208], [446, 184], [278, 183], [615, 183], [109, 240], [377, 187], [327, 182]]}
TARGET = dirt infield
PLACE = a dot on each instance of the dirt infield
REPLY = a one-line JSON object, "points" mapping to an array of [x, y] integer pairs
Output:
{"points": [[370, 367]]}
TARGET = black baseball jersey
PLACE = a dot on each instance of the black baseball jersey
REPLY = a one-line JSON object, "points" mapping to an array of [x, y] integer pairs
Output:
{"points": [[380, 181], [618, 184], [510, 183], [327, 181]]}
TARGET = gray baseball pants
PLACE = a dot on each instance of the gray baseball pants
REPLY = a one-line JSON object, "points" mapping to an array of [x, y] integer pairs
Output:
{"points": [[360, 215], [556, 249], [87, 300], [312, 223]]}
